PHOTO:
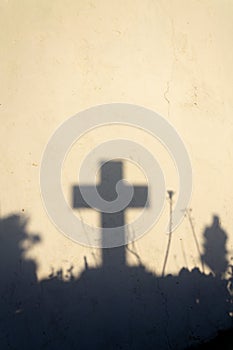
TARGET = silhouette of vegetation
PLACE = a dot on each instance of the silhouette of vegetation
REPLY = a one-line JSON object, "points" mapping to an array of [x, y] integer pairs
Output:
{"points": [[122, 307], [215, 247]]}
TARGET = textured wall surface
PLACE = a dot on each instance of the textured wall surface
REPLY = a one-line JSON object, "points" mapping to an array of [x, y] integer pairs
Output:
{"points": [[174, 57]]}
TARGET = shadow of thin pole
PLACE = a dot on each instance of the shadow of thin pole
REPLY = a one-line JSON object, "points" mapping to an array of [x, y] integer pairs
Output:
{"points": [[188, 212], [170, 194], [183, 252], [135, 254]]}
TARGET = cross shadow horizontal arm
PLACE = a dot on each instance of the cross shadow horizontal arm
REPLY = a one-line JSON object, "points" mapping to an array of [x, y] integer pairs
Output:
{"points": [[140, 197], [78, 201]]}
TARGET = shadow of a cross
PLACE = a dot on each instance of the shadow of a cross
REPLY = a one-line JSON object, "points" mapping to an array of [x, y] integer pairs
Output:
{"points": [[111, 174]]}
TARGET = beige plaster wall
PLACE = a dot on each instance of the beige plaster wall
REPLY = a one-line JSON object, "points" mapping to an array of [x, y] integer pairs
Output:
{"points": [[175, 57]]}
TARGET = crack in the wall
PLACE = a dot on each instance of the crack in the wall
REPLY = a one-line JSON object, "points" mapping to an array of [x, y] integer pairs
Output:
{"points": [[165, 94]]}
